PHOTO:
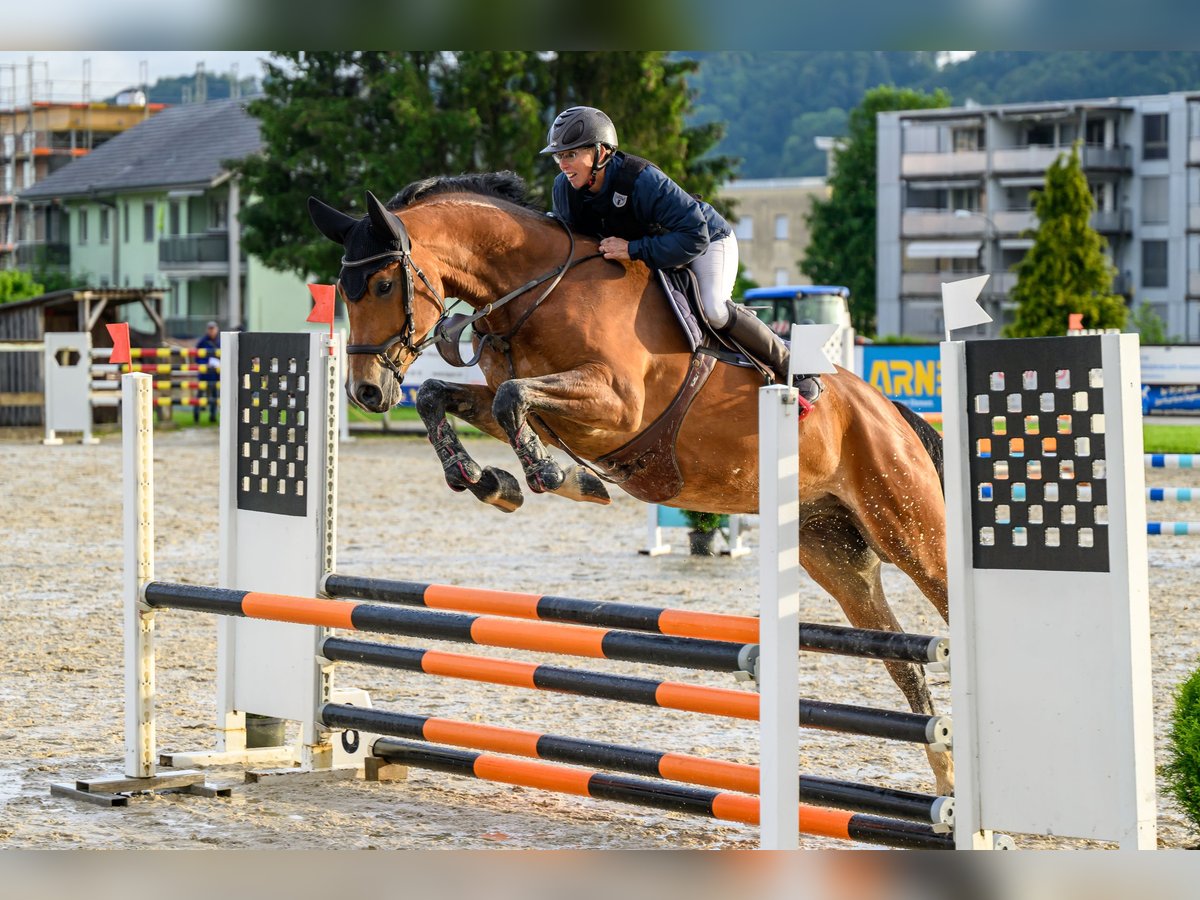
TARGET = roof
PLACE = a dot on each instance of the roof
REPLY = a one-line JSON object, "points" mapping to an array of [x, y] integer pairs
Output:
{"points": [[786, 291], [183, 145]]}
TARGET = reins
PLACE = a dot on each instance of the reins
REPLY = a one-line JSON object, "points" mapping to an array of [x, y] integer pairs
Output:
{"points": [[441, 330]]}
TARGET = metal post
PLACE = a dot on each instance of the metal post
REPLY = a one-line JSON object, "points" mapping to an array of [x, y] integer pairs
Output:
{"points": [[779, 611]]}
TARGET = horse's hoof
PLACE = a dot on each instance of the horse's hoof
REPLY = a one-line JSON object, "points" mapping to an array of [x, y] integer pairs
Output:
{"points": [[499, 489], [547, 478], [582, 484]]}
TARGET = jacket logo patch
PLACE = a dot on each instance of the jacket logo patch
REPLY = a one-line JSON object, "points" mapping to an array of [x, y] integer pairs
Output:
{"points": [[619, 200]]}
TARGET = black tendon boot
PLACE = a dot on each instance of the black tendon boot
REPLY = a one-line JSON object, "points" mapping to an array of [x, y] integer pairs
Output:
{"points": [[767, 348]]}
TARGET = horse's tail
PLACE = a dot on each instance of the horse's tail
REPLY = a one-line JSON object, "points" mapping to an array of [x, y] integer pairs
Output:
{"points": [[929, 436]]}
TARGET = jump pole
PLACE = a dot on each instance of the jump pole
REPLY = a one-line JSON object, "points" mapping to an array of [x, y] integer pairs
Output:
{"points": [[1046, 534]]}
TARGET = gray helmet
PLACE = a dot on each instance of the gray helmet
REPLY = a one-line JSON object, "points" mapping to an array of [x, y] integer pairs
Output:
{"points": [[580, 126]]}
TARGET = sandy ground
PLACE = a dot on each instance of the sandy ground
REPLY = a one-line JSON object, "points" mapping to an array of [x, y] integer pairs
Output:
{"points": [[61, 697]]}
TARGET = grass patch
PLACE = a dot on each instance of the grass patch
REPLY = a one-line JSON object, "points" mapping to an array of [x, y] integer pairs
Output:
{"points": [[1171, 438]]}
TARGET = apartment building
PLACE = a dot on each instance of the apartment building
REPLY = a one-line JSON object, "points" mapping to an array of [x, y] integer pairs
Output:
{"points": [[36, 140], [771, 230], [955, 200], [156, 207]]}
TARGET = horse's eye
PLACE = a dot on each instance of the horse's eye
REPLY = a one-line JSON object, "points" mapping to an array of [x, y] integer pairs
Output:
{"points": [[383, 287]]}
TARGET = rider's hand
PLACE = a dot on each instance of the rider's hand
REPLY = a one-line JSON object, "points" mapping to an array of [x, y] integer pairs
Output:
{"points": [[614, 248]]}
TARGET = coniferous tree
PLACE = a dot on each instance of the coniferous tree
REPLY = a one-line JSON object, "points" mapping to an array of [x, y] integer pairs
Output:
{"points": [[1066, 270]]}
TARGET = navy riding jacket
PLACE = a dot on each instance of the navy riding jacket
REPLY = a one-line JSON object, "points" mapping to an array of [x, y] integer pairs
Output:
{"points": [[672, 227]]}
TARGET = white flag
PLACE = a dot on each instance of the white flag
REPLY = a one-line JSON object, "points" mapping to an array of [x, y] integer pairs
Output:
{"points": [[959, 308], [808, 349]]}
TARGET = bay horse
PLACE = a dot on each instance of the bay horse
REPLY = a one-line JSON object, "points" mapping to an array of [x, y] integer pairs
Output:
{"points": [[582, 353]]}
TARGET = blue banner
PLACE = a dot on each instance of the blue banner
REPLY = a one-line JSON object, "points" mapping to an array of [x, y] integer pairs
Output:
{"points": [[910, 373], [1170, 396]]}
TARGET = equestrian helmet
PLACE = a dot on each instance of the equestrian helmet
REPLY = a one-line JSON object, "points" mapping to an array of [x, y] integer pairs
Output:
{"points": [[580, 126]]}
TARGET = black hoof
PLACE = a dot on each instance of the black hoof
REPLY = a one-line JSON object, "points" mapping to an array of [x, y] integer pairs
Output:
{"points": [[499, 489], [547, 478]]}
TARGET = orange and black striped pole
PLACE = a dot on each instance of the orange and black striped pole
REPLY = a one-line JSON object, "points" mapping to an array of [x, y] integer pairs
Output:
{"points": [[490, 631], [721, 805], [713, 773], [860, 642]]}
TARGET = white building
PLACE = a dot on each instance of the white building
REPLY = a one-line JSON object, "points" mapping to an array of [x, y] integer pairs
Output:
{"points": [[954, 201], [772, 227]]}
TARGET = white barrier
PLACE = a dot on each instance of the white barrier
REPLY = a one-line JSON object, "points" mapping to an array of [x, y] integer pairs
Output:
{"points": [[1049, 610], [660, 517]]}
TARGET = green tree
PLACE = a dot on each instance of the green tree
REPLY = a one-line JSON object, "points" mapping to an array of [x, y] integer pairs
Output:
{"points": [[1066, 270], [841, 248], [338, 123], [18, 285]]}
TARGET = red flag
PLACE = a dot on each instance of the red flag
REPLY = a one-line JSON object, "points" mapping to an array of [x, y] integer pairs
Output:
{"points": [[324, 296], [1074, 321], [120, 338]]}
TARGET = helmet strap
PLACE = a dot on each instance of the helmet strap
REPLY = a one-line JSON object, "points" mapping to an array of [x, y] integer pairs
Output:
{"points": [[596, 167]]}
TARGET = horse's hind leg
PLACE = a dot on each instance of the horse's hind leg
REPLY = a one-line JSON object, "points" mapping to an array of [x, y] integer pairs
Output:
{"points": [[472, 404], [834, 553]]}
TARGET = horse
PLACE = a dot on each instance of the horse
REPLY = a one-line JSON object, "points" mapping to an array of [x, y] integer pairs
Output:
{"points": [[583, 354]]}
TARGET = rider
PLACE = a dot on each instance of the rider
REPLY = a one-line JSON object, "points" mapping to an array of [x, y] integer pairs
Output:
{"points": [[644, 215]]}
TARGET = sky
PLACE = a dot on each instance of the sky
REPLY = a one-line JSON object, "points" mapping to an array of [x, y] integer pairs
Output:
{"points": [[60, 72]]}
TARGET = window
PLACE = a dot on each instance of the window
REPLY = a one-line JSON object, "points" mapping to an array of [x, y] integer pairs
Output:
{"points": [[218, 215], [174, 217], [744, 229], [147, 222], [964, 198], [966, 139], [1154, 264], [1154, 136], [104, 224], [1094, 132], [924, 198], [781, 228], [781, 277], [83, 224], [125, 230], [1154, 201], [1041, 135]]}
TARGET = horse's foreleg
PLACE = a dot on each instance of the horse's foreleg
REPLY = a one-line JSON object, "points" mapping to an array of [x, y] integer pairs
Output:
{"points": [[836, 556], [572, 395], [472, 404]]}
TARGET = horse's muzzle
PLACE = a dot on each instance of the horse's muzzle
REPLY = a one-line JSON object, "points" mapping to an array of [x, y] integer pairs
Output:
{"points": [[372, 397]]}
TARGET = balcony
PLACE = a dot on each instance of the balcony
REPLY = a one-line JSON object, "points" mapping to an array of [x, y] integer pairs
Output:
{"points": [[1025, 159], [1014, 221], [43, 254], [1119, 158], [929, 283], [917, 165], [1112, 221], [939, 224], [204, 254]]}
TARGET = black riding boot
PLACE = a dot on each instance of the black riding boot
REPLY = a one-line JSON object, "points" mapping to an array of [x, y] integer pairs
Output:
{"points": [[767, 348]]}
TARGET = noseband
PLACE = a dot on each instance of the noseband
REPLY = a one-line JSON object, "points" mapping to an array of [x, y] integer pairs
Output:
{"points": [[439, 331]]}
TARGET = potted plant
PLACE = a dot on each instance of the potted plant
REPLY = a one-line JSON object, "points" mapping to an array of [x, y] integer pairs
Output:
{"points": [[702, 539]]}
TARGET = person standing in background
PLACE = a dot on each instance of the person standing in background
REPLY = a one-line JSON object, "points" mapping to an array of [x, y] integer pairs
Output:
{"points": [[210, 378]]}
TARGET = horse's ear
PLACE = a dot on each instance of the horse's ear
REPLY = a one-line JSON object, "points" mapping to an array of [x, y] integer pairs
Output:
{"points": [[332, 223], [385, 222]]}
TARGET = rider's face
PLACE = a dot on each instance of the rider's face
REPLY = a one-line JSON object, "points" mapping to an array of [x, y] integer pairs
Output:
{"points": [[577, 165]]}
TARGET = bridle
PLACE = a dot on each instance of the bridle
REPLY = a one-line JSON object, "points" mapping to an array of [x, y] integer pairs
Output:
{"points": [[440, 330]]}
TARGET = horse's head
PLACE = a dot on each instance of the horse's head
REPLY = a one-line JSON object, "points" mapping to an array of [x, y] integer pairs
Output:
{"points": [[388, 325]]}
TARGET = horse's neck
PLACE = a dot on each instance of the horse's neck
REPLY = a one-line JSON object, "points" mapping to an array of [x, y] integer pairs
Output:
{"points": [[482, 251]]}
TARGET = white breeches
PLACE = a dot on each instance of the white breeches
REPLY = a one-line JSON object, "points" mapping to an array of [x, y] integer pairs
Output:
{"points": [[716, 271]]}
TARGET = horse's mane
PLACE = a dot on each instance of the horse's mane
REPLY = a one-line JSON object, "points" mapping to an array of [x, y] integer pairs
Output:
{"points": [[508, 186]]}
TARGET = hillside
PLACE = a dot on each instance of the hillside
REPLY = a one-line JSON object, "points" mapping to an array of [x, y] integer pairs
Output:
{"points": [[775, 103]]}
